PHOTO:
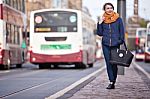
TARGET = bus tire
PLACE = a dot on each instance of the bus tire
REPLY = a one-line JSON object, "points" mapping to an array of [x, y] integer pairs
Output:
{"points": [[80, 65], [41, 66], [44, 66], [146, 61], [7, 66], [19, 65], [55, 65], [90, 65]]}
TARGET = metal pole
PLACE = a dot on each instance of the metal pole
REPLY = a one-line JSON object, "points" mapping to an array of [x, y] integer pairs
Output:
{"points": [[121, 9]]}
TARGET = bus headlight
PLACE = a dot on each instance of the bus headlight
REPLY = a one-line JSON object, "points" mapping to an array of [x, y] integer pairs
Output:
{"points": [[0, 56], [33, 59]]}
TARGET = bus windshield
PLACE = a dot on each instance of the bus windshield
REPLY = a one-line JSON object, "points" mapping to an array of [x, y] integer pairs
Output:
{"points": [[142, 33], [55, 21]]}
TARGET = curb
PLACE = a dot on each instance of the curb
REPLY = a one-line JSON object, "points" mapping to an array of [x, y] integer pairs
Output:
{"points": [[70, 90], [141, 69]]}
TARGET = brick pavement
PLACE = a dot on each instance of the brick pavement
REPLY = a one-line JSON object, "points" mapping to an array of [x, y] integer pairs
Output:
{"points": [[128, 86]]}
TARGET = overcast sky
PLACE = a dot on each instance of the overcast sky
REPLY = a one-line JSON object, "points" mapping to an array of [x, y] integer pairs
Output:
{"points": [[95, 7]]}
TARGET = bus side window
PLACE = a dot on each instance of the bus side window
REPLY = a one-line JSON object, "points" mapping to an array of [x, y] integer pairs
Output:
{"points": [[12, 34], [16, 35], [8, 33]]}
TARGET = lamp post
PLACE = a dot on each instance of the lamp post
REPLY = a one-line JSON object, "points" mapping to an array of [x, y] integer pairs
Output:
{"points": [[121, 9]]}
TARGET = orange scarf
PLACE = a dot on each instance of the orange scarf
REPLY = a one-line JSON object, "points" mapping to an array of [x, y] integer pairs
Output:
{"points": [[109, 18]]}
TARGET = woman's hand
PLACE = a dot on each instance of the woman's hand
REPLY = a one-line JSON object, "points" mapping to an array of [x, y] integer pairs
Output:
{"points": [[101, 19]]}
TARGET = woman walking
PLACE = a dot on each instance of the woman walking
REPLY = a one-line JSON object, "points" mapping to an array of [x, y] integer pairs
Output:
{"points": [[112, 31]]}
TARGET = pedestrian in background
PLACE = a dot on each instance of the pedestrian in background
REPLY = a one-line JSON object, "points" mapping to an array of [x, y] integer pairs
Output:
{"points": [[23, 46], [111, 28]]}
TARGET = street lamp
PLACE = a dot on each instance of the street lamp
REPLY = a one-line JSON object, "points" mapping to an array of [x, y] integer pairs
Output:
{"points": [[121, 9]]}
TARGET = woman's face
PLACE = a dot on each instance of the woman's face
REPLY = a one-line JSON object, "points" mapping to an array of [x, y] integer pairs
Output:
{"points": [[109, 9]]}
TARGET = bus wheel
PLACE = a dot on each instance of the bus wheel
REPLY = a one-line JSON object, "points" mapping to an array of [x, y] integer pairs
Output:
{"points": [[44, 66], [41, 66], [7, 66], [80, 65], [77, 65], [90, 65], [47, 65], [146, 61], [55, 65], [19, 65]]}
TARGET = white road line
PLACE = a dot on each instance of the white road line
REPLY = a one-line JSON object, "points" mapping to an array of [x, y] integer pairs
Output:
{"points": [[1, 72], [20, 75], [142, 70], [62, 92]]}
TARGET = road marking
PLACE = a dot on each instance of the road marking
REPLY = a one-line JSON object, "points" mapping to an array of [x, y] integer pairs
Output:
{"points": [[142, 70], [30, 88], [20, 75], [62, 92], [1, 72]]}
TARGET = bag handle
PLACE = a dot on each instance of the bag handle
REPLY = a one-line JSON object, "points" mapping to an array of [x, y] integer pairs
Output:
{"points": [[125, 45]]}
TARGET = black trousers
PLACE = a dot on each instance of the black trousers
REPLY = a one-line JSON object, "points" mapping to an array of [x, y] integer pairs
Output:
{"points": [[111, 69]]}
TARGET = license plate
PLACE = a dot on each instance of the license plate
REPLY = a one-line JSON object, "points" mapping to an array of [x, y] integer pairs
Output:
{"points": [[55, 47]]}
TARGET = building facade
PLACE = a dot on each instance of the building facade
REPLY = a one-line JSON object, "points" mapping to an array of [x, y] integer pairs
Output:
{"points": [[32, 5], [75, 4], [132, 25], [88, 22]]}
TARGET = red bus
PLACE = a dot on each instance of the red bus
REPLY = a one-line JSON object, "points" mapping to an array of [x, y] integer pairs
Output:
{"points": [[12, 26], [140, 43]]}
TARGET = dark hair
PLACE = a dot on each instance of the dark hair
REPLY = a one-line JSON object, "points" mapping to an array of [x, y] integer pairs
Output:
{"points": [[108, 4]]}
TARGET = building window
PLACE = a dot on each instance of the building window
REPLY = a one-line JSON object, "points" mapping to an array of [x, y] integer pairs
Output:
{"points": [[56, 3], [8, 34], [15, 5]]}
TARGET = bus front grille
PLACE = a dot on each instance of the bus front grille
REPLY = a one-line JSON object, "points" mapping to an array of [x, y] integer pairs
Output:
{"points": [[55, 38]]}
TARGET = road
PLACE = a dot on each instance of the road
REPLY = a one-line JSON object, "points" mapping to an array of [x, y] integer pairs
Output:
{"points": [[145, 66], [29, 82]]}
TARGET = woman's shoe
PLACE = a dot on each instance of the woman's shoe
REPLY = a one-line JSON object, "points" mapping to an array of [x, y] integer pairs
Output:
{"points": [[111, 86]]}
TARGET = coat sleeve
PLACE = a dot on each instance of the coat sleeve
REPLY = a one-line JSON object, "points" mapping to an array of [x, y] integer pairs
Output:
{"points": [[99, 29], [121, 31]]}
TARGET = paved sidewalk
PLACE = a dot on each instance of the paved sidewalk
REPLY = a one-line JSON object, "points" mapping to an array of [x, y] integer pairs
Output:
{"points": [[128, 86]]}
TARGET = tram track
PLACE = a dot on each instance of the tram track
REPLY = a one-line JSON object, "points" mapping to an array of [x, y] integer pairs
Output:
{"points": [[41, 80], [65, 75], [25, 73], [28, 88]]}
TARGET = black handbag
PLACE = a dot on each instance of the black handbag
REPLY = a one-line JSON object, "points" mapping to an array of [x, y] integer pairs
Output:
{"points": [[121, 57]]}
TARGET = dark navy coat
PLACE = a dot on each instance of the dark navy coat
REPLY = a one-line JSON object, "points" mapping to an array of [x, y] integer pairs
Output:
{"points": [[112, 33]]}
